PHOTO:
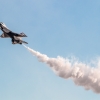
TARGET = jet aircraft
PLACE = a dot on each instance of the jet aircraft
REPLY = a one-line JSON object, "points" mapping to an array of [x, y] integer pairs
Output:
{"points": [[15, 37]]}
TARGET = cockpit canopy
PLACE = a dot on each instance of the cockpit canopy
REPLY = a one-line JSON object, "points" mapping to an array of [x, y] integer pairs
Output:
{"points": [[2, 24]]}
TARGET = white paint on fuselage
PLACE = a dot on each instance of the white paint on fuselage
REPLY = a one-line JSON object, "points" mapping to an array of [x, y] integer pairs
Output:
{"points": [[4, 28]]}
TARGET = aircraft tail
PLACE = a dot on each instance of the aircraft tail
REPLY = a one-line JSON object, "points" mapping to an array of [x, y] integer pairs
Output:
{"points": [[23, 35], [24, 42]]}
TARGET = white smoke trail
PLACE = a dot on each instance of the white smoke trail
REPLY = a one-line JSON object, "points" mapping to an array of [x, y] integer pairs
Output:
{"points": [[82, 74]]}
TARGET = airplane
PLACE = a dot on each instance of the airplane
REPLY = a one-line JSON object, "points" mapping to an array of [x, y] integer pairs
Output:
{"points": [[15, 37]]}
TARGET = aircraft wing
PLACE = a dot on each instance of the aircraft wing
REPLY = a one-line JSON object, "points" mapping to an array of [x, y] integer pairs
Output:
{"points": [[19, 35], [4, 35]]}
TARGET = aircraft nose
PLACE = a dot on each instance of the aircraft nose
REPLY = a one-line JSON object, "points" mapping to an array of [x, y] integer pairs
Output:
{"points": [[0, 23]]}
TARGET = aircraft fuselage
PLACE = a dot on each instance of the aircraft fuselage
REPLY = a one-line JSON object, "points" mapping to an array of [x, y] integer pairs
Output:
{"points": [[9, 34]]}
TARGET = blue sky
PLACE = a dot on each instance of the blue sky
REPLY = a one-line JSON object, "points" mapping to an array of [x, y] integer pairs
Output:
{"points": [[65, 28]]}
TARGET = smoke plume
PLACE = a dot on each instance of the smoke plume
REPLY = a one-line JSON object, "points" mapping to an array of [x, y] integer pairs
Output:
{"points": [[81, 73]]}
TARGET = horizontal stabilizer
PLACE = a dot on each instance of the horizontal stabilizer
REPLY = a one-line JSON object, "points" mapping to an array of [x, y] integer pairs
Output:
{"points": [[24, 42]]}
